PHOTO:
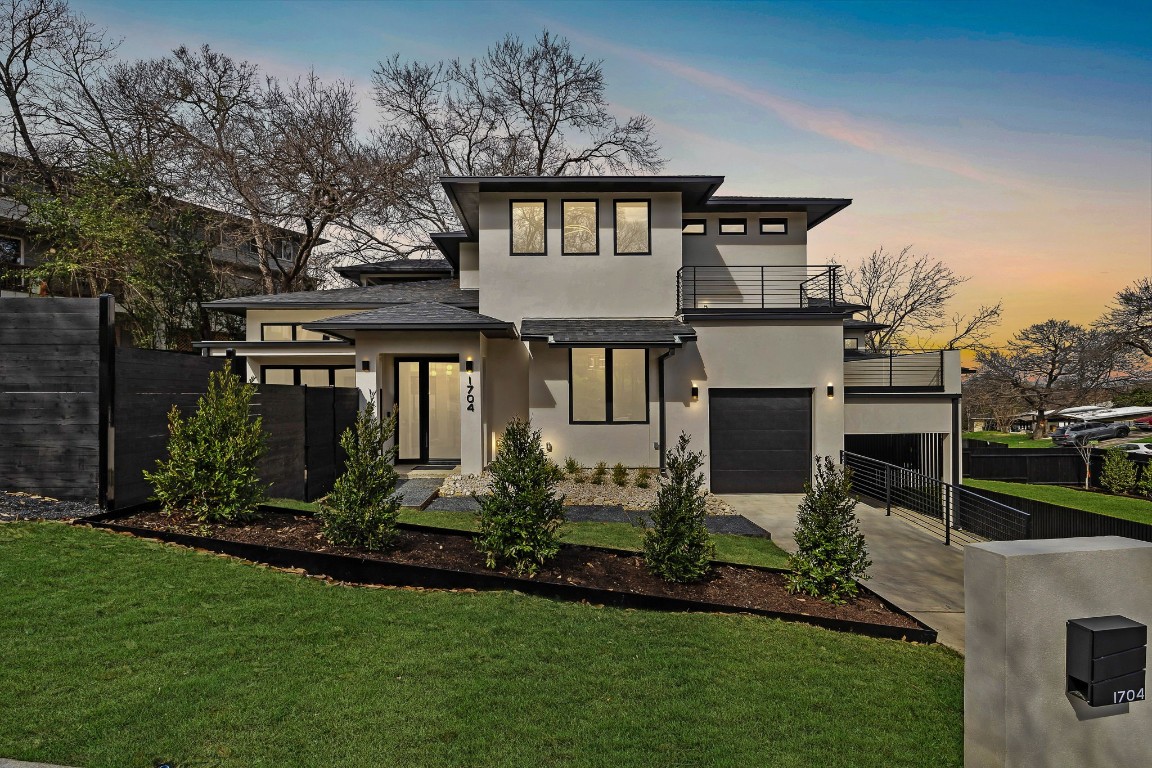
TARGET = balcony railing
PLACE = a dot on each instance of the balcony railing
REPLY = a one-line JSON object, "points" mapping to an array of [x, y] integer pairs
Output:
{"points": [[759, 288], [917, 371]]}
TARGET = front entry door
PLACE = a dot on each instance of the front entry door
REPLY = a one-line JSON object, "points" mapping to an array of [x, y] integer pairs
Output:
{"points": [[428, 417]]}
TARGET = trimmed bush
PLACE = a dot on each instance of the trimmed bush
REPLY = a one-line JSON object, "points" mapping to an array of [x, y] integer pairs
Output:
{"points": [[599, 473], [830, 549], [1118, 474], [520, 519], [572, 467], [643, 477], [620, 475], [677, 546], [212, 455], [362, 508]]}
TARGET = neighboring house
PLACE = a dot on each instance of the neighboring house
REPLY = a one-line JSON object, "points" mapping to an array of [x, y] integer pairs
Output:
{"points": [[616, 313]]}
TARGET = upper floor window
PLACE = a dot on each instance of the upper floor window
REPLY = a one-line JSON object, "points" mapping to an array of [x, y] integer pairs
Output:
{"points": [[528, 227], [695, 226], [581, 231], [633, 226], [11, 250], [608, 386], [851, 344], [289, 332], [733, 226], [773, 226]]}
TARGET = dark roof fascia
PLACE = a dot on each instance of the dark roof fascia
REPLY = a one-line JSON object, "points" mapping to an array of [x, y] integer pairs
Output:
{"points": [[449, 245], [817, 209], [681, 339], [491, 330], [861, 325], [285, 346], [355, 271], [464, 191], [767, 314]]}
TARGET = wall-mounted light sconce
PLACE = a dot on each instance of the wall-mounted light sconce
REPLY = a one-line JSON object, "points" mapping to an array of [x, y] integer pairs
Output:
{"points": [[695, 393], [548, 447], [229, 352], [365, 365], [831, 390], [468, 365]]}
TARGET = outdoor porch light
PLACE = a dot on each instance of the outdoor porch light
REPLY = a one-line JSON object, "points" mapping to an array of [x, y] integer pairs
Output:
{"points": [[548, 447], [229, 352], [695, 393], [831, 390], [468, 365], [365, 365]]}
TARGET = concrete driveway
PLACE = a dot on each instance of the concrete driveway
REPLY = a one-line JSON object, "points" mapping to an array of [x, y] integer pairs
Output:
{"points": [[910, 567]]}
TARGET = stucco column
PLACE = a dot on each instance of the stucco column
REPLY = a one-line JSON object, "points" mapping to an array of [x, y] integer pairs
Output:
{"points": [[472, 406]]}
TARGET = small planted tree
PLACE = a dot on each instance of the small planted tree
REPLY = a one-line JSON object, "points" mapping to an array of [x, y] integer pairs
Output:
{"points": [[1118, 475], [620, 475], [677, 546], [210, 472], [361, 510], [520, 519], [830, 549]]}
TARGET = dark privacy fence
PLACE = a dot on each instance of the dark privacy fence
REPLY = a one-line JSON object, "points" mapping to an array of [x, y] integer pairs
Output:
{"points": [[1038, 466], [1050, 521], [82, 419]]}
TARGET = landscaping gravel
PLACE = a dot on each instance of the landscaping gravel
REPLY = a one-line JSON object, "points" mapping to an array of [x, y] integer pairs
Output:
{"points": [[417, 491], [578, 513], [15, 505], [737, 524], [454, 504]]}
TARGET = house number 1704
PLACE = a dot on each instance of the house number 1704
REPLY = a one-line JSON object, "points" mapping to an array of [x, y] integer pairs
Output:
{"points": [[471, 398], [1123, 697]]}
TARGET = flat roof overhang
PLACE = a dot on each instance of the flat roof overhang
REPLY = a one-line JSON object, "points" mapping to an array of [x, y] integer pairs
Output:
{"points": [[617, 333], [818, 209]]}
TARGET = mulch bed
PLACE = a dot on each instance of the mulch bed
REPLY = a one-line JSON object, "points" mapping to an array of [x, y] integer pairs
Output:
{"points": [[731, 585]]}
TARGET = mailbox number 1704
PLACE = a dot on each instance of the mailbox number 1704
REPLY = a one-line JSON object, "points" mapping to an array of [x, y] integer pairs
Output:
{"points": [[1123, 697]]}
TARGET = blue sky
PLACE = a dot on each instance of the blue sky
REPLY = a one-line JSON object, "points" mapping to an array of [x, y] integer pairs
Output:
{"points": [[1011, 140]]}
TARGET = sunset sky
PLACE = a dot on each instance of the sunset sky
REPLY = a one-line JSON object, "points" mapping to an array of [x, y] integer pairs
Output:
{"points": [[1013, 141]]}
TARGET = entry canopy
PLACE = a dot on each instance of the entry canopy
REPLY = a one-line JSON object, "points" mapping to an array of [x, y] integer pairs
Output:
{"points": [[421, 316], [632, 332]]}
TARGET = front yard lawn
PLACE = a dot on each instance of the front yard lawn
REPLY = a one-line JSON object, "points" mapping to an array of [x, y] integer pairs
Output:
{"points": [[1010, 439], [124, 652], [1124, 507]]}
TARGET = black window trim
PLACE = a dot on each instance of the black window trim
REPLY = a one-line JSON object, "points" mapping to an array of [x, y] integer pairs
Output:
{"points": [[512, 230], [19, 247], [616, 229], [295, 327], [723, 222], [851, 343], [564, 226], [296, 372], [686, 222], [608, 368], [773, 220]]}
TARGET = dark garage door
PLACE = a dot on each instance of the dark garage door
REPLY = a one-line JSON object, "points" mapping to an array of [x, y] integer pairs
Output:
{"points": [[761, 440]]}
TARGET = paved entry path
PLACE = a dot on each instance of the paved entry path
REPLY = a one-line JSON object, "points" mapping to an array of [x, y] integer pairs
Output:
{"points": [[910, 567]]}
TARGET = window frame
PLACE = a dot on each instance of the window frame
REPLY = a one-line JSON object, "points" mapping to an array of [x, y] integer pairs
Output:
{"points": [[512, 229], [609, 368], [295, 327], [616, 226], [851, 344], [277, 325], [702, 222], [773, 220], [728, 222], [296, 373], [564, 226], [19, 249]]}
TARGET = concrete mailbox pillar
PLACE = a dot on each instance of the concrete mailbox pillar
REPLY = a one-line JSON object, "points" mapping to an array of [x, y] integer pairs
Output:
{"points": [[1055, 641]]}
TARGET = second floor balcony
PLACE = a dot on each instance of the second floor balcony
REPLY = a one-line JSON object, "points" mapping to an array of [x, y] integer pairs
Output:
{"points": [[901, 372], [759, 289]]}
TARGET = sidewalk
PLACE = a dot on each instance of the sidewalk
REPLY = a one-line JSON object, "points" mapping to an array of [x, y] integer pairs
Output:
{"points": [[910, 567]]}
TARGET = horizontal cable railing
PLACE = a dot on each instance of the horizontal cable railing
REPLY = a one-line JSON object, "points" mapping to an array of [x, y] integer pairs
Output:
{"points": [[894, 370], [952, 512], [764, 287]]}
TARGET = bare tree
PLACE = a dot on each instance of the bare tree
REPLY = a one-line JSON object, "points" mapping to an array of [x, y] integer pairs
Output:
{"points": [[1129, 321], [992, 399], [1056, 364], [909, 294], [521, 110]]}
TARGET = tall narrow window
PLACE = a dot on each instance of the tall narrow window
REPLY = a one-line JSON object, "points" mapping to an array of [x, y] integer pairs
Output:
{"points": [[609, 386], [581, 234], [528, 227], [633, 227]]}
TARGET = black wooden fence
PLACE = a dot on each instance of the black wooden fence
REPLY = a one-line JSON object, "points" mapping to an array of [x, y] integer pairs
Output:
{"points": [[1050, 521], [1038, 466], [82, 419]]}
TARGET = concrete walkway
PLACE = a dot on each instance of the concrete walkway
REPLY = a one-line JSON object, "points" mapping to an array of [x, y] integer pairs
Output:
{"points": [[6, 763], [910, 567]]}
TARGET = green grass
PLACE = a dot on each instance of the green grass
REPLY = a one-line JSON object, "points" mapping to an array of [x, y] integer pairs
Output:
{"points": [[1122, 507], [1011, 439], [119, 652], [742, 550]]}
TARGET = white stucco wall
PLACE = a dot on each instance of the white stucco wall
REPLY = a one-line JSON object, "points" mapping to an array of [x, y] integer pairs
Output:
{"points": [[763, 355], [903, 414], [469, 266], [255, 317], [555, 285]]}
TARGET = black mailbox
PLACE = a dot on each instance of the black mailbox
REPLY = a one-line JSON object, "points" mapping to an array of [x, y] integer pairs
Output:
{"points": [[1106, 659]]}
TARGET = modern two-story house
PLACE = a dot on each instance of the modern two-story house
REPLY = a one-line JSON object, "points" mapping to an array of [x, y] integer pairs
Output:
{"points": [[615, 313]]}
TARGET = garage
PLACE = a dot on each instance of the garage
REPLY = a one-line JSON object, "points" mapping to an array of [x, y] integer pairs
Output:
{"points": [[761, 440]]}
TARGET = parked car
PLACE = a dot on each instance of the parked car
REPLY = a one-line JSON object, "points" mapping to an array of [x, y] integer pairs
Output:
{"points": [[1084, 433], [1142, 449]]}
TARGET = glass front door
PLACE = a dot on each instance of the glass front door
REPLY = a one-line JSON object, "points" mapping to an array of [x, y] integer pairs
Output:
{"points": [[428, 418]]}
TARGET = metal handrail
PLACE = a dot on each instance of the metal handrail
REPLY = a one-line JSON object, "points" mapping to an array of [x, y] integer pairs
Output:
{"points": [[896, 369], [758, 287]]}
